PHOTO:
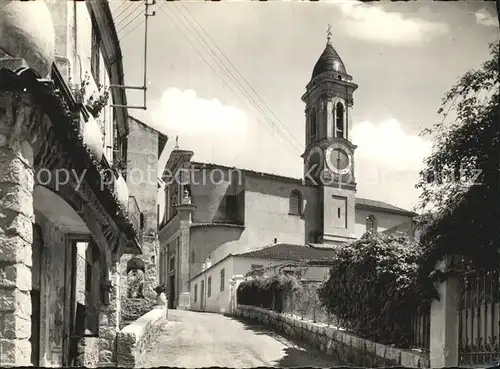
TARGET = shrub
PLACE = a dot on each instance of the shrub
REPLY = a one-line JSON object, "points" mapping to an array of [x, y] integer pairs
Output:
{"points": [[375, 286], [267, 292]]}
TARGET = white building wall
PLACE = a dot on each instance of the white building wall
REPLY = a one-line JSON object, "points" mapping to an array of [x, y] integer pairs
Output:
{"points": [[73, 26], [384, 221], [219, 301]]}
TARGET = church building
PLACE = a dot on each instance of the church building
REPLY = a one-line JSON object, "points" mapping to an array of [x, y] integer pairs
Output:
{"points": [[215, 213]]}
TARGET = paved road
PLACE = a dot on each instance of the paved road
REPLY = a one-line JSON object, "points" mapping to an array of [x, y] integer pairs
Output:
{"points": [[193, 340]]}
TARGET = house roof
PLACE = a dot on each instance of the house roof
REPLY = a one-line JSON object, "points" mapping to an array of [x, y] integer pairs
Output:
{"points": [[285, 251], [59, 105], [162, 136], [280, 251], [381, 205]]}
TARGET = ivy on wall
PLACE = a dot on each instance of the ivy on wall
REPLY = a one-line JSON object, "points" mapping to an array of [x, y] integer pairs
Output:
{"points": [[376, 286]]}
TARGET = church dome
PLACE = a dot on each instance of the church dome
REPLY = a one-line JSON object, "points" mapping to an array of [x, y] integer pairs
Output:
{"points": [[329, 61]]}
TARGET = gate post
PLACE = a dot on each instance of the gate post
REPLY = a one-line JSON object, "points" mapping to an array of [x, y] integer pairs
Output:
{"points": [[444, 338], [234, 283]]}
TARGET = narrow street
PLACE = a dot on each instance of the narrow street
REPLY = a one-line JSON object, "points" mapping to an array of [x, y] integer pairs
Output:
{"points": [[193, 340]]}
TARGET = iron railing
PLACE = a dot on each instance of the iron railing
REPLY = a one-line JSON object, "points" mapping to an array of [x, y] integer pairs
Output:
{"points": [[421, 327], [479, 318]]}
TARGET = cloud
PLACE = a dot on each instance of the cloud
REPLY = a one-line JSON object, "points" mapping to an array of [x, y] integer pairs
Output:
{"points": [[388, 161], [372, 23], [185, 112], [485, 18], [215, 132]]}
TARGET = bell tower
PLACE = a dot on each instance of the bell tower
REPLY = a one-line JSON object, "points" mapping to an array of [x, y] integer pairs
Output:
{"points": [[329, 153]]}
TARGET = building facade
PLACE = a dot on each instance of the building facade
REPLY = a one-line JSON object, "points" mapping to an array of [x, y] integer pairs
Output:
{"points": [[211, 288], [212, 211], [144, 148], [64, 222]]}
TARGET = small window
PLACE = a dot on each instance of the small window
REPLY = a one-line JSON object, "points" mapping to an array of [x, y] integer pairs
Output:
{"points": [[295, 203], [222, 279], [371, 224], [171, 267], [338, 212], [209, 286], [195, 292], [314, 122], [339, 125]]}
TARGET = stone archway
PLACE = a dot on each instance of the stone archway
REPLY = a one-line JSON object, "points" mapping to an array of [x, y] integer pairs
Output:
{"points": [[136, 270]]}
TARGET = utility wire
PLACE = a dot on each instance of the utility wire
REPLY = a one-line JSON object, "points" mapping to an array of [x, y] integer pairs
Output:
{"points": [[235, 80], [132, 29], [124, 10], [133, 19], [238, 73], [205, 60], [128, 16], [120, 6]]}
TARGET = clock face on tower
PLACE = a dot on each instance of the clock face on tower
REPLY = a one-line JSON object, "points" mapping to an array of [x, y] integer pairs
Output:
{"points": [[338, 160]]}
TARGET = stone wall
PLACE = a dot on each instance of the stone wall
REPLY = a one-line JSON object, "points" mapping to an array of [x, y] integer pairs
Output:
{"points": [[347, 347], [137, 336]]}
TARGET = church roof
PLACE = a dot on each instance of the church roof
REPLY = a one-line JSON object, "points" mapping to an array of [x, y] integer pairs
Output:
{"points": [[361, 203], [285, 251], [327, 61]]}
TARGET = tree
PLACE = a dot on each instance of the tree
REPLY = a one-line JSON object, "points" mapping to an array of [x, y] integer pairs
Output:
{"points": [[461, 176]]}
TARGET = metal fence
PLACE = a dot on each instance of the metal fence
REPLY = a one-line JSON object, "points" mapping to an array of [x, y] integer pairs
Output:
{"points": [[421, 328], [479, 318], [307, 306]]}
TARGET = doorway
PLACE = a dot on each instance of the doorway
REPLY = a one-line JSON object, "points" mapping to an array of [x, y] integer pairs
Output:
{"points": [[171, 295], [37, 252], [202, 295]]}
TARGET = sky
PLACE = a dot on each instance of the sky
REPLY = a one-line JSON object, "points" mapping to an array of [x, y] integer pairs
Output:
{"points": [[227, 78]]}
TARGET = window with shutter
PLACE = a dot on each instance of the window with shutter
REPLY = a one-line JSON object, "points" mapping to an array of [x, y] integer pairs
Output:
{"points": [[222, 279], [209, 286], [295, 203], [95, 54]]}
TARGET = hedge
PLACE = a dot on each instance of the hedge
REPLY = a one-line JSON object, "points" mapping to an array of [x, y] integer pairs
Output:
{"points": [[267, 292], [374, 288], [376, 285]]}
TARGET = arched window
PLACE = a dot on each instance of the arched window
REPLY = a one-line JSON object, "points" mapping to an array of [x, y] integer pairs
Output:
{"points": [[314, 122], [371, 224], [339, 116], [295, 203]]}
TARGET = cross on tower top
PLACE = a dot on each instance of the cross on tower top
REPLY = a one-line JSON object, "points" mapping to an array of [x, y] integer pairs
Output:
{"points": [[176, 143], [328, 33]]}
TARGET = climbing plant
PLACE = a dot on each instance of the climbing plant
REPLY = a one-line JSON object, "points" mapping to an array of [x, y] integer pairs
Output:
{"points": [[375, 286], [267, 292], [96, 102]]}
